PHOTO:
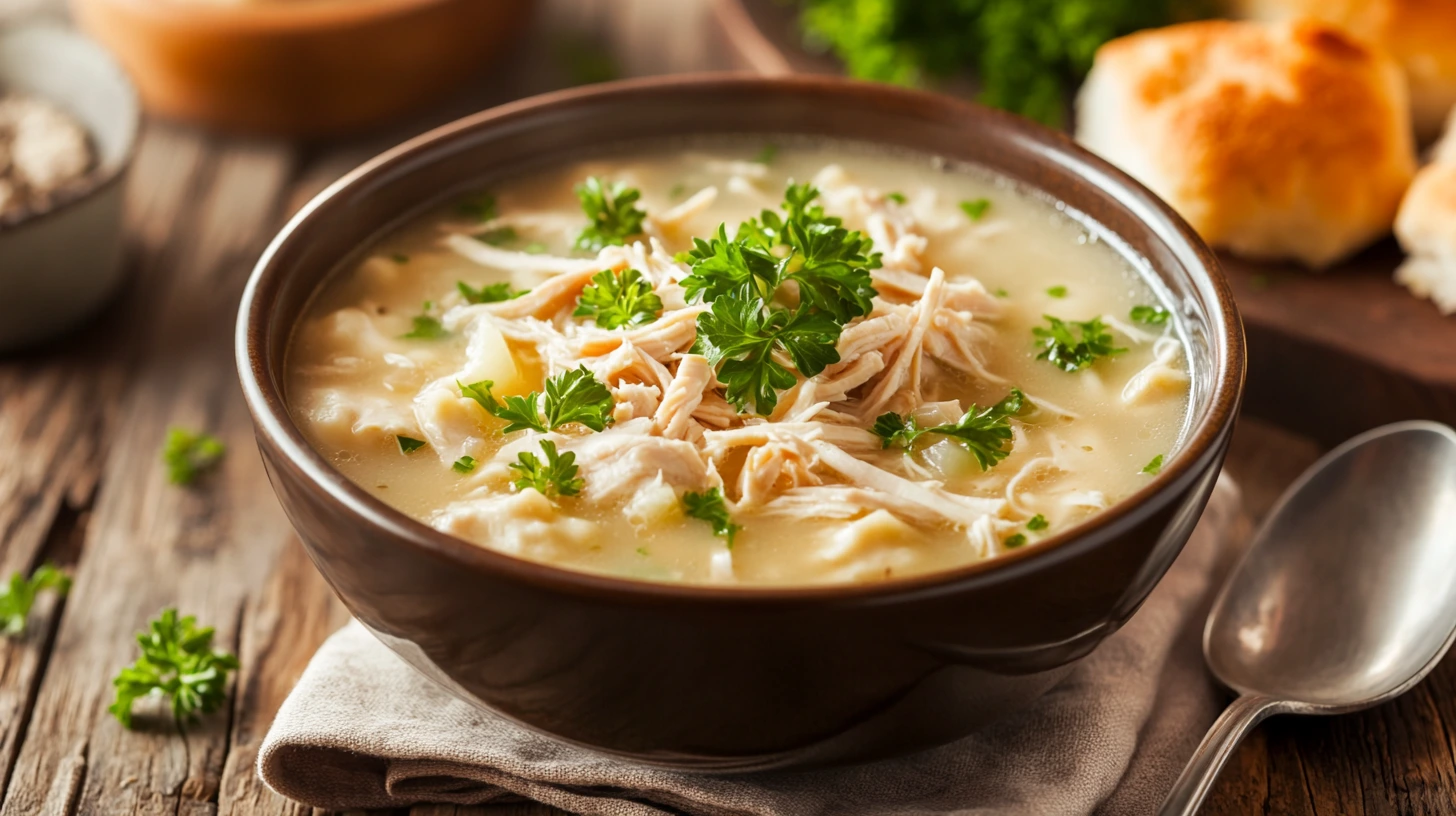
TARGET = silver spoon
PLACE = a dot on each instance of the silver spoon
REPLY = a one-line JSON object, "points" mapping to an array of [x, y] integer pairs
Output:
{"points": [[1346, 598]]}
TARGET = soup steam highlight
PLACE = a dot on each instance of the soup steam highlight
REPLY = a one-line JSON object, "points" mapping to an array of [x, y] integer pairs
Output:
{"points": [[813, 365]]}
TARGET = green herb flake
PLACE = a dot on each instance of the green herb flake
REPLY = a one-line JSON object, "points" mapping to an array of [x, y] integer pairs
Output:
{"points": [[976, 208], [534, 248], [1073, 346], [571, 396], [677, 191], [399, 258], [611, 214], [499, 236], [426, 327], [18, 596], [984, 432], [586, 61], [490, 293], [1150, 315], [189, 454], [642, 551], [464, 464], [409, 444], [1001, 293], [1155, 466], [898, 198], [710, 507], [619, 299], [1057, 292], [481, 207], [554, 477], [1037, 522], [1013, 541], [767, 155], [177, 662]]}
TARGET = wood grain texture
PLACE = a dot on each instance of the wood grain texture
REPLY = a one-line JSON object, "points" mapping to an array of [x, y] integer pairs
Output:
{"points": [[81, 485]]}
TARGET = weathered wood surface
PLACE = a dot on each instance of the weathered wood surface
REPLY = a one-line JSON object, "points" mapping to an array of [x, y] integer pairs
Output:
{"points": [[81, 485]]}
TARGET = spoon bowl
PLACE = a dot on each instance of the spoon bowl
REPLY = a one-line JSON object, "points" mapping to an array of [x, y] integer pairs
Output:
{"points": [[1346, 597]]}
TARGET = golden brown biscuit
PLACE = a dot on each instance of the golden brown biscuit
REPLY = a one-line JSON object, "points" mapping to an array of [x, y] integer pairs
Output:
{"points": [[1275, 141], [1420, 34], [1426, 227]]}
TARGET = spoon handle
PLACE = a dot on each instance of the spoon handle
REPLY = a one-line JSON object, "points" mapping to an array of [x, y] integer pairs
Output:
{"points": [[1217, 746]]}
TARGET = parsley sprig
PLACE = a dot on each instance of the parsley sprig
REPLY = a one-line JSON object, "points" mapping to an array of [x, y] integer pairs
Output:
{"points": [[611, 211], [710, 507], [755, 319], [179, 663], [1073, 345], [985, 432], [571, 396], [618, 299], [554, 477], [490, 293], [189, 454], [19, 596], [1150, 315]]}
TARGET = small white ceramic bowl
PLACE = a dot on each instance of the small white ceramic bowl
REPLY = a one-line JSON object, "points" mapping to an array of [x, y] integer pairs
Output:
{"points": [[59, 266]]}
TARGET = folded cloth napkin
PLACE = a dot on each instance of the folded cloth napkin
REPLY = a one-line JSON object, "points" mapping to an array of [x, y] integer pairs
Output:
{"points": [[363, 729]]}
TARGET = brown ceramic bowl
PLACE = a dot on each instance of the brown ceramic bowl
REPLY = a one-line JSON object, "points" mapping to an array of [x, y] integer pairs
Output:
{"points": [[304, 68], [715, 678]]}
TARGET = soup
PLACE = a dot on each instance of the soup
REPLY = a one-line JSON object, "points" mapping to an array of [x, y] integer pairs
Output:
{"points": [[747, 365]]}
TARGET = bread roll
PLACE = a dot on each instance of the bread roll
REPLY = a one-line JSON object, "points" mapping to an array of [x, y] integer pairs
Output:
{"points": [[1426, 228], [1275, 141], [1420, 34]]}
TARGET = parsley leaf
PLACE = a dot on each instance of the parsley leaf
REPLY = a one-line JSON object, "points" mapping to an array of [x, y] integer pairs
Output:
{"points": [[520, 413], [1154, 467], [177, 662], [427, 327], [740, 335], [1150, 315], [722, 267], [1013, 541], [555, 477], [490, 293], [1072, 346], [189, 454], [481, 207], [18, 597], [610, 210], [1057, 291], [896, 431], [986, 433], [409, 444], [399, 258], [617, 299], [767, 154], [898, 198], [500, 236], [572, 396], [1037, 522], [711, 508], [976, 209], [464, 464]]}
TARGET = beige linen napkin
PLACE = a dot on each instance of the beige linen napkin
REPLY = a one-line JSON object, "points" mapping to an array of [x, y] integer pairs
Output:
{"points": [[363, 729]]}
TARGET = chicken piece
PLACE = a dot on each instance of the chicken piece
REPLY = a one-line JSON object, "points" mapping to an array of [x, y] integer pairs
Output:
{"points": [[526, 524], [672, 219], [882, 333], [510, 261], [452, 424], [878, 545], [546, 300], [635, 400], [899, 245], [780, 464], [653, 507], [673, 332], [1162, 378], [898, 387], [683, 396], [956, 509], [618, 463], [340, 417], [715, 412]]}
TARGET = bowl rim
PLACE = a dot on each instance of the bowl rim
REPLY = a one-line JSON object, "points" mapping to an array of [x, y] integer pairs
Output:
{"points": [[276, 427], [106, 175]]}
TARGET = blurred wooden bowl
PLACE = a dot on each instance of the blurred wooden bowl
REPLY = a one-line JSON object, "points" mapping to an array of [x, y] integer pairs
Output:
{"points": [[303, 67]]}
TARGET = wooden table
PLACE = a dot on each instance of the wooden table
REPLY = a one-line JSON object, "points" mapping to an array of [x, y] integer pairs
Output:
{"points": [[81, 485]]}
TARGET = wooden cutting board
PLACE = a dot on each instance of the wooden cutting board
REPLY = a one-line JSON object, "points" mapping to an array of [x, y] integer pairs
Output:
{"points": [[1330, 354]]}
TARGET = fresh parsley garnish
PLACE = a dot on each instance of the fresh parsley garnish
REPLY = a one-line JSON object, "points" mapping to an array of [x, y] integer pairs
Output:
{"points": [[499, 236], [1013, 541], [464, 464], [1057, 291], [179, 663], [1072, 345], [409, 444], [554, 477], [767, 154], [898, 198], [740, 336], [976, 208], [426, 326], [1001, 293], [19, 595], [618, 299], [1037, 522], [1150, 315], [490, 293], [534, 248], [1154, 467], [571, 396], [611, 212], [985, 432], [189, 454], [481, 207], [710, 507]]}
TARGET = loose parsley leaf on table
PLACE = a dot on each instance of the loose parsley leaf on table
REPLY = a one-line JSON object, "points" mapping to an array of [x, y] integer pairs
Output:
{"points": [[490, 293], [189, 454], [617, 299], [554, 477], [986, 433], [1150, 315], [571, 396], [1072, 345], [710, 507], [611, 212], [17, 597], [177, 662]]}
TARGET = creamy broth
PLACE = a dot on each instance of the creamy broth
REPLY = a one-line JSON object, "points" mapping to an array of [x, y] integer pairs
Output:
{"points": [[816, 494]]}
